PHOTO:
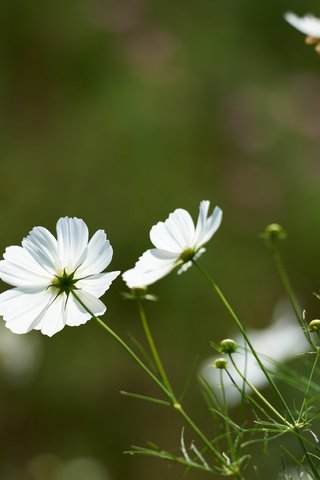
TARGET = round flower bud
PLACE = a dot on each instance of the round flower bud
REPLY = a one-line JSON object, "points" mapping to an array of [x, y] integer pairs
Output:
{"points": [[220, 363], [228, 346], [274, 231], [314, 324]]}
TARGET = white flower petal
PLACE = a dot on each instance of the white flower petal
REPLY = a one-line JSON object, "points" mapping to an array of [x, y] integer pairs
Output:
{"points": [[97, 284], [72, 236], [151, 266], [53, 319], [42, 246], [20, 269], [206, 226], [75, 314], [184, 267], [99, 255], [136, 278], [175, 234], [93, 304], [21, 308], [309, 24], [156, 258]]}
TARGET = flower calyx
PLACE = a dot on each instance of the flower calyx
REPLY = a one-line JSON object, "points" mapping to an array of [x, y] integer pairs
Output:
{"points": [[221, 363], [314, 325], [272, 233], [228, 346], [65, 283], [139, 294]]}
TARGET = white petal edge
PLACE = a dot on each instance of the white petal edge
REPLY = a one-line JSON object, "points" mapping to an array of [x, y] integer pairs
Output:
{"points": [[175, 234], [151, 266], [98, 255], [19, 276], [135, 278], [97, 284], [22, 310], [43, 248], [53, 319], [308, 24], [93, 304], [72, 235], [211, 226]]}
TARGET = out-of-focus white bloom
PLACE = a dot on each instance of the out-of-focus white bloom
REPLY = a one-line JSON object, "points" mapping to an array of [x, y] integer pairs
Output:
{"points": [[293, 473], [54, 278], [79, 468], [19, 356], [279, 342], [309, 25], [178, 241]]}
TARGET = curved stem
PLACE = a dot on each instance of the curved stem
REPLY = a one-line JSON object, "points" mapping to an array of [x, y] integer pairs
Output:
{"points": [[225, 413], [245, 336], [125, 346], [309, 383], [154, 351], [290, 292], [263, 369], [177, 406], [262, 398]]}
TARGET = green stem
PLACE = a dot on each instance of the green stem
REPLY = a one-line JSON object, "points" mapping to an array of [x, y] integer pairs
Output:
{"points": [[242, 330], [289, 290], [125, 346], [154, 351], [177, 406], [225, 413], [254, 353], [309, 383], [262, 398]]}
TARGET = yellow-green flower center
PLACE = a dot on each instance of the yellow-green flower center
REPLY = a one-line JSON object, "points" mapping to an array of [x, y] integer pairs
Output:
{"points": [[65, 283], [187, 255]]}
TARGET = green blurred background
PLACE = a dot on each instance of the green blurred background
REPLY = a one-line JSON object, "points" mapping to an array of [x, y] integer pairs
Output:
{"points": [[118, 112]]}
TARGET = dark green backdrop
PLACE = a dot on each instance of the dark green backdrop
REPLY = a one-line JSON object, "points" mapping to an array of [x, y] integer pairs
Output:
{"points": [[119, 111]]}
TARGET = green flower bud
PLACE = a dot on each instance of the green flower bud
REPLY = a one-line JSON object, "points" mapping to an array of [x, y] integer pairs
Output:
{"points": [[228, 346], [314, 324], [220, 363], [274, 231]]}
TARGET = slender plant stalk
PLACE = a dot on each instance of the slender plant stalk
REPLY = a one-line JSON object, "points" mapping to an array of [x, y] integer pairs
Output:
{"points": [[242, 330], [309, 382], [262, 398], [289, 290], [225, 412], [154, 351], [175, 404], [295, 427]]}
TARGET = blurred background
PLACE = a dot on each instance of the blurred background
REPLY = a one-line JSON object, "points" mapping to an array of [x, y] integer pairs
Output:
{"points": [[118, 112]]}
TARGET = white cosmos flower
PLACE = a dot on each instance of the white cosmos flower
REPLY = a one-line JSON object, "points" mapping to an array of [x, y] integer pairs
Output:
{"points": [[177, 243], [45, 272], [309, 24]]}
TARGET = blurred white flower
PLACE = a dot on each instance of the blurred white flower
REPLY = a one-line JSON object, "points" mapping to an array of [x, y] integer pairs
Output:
{"points": [[44, 466], [177, 243], [293, 473], [19, 356], [308, 24], [48, 274], [280, 341]]}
